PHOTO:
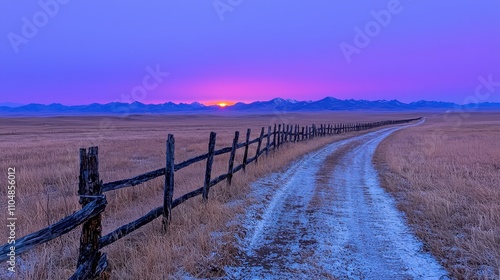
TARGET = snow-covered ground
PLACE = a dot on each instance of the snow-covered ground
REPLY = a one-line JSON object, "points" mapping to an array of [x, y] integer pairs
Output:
{"points": [[346, 228]]}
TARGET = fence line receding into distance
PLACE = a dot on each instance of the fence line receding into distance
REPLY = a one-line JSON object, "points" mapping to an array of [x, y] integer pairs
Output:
{"points": [[91, 262]]}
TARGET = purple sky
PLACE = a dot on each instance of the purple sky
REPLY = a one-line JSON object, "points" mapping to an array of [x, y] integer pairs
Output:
{"points": [[99, 51]]}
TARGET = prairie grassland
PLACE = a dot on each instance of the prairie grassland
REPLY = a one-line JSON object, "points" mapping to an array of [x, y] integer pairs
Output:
{"points": [[200, 241], [445, 176]]}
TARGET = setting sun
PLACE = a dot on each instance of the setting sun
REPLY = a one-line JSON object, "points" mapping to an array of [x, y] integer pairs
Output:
{"points": [[221, 104]]}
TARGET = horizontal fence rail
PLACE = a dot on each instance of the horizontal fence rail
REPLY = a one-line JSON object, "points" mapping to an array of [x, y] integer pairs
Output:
{"points": [[91, 262]]}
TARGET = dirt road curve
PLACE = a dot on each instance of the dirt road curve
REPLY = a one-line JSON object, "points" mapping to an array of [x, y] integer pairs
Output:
{"points": [[324, 220]]}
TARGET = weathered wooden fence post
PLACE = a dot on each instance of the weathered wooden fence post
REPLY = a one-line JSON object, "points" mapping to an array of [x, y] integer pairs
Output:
{"points": [[275, 137], [268, 139], [259, 144], [210, 161], [283, 135], [287, 133], [231, 157], [91, 263], [282, 140], [279, 136], [169, 182], [245, 154], [290, 133]]}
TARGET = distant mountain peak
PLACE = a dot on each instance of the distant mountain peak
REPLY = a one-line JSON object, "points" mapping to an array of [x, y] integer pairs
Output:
{"points": [[280, 100]]}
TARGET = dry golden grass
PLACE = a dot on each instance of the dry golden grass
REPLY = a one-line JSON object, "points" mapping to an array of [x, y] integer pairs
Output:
{"points": [[200, 241], [446, 178]]}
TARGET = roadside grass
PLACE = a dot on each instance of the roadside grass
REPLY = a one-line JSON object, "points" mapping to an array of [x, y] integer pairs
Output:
{"points": [[446, 179]]}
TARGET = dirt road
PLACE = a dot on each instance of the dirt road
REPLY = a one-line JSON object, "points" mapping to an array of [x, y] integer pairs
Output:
{"points": [[326, 217]]}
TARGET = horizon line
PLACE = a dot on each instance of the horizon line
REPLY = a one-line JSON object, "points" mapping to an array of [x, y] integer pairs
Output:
{"points": [[228, 102]]}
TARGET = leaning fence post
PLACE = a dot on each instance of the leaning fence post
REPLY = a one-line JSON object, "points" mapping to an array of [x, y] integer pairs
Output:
{"points": [[210, 161], [245, 155], [231, 157], [90, 188], [259, 144], [169, 182]]}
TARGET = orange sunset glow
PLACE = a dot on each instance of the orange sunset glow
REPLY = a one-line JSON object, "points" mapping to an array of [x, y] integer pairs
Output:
{"points": [[221, 104]]}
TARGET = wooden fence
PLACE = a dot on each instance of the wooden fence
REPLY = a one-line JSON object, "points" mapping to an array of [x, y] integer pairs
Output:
{"points": [[91, 262]]}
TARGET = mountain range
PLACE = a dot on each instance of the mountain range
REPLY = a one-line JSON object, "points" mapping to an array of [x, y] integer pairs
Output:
{"points": [[273, 105]]}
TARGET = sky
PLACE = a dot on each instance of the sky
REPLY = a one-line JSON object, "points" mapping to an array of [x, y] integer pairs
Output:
{"points": [[82, 52]]}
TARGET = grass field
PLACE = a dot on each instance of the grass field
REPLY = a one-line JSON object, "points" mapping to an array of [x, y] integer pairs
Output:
{"points": [[44, 152], [445, 175]]}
